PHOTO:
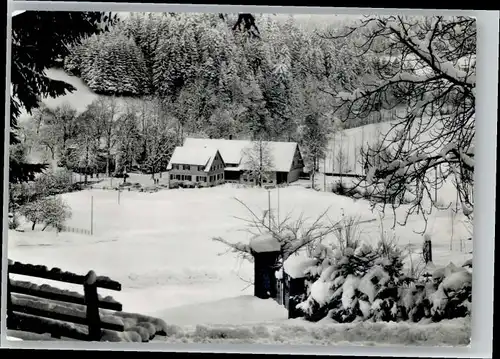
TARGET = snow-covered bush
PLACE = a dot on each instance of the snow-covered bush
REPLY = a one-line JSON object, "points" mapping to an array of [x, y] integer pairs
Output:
{"points": [[51, 211], [362, 282], [354, 282], [451, 294], [47, 184]]}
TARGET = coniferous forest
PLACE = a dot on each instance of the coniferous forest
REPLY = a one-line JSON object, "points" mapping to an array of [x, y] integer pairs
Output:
{"points": [[207, 75]]}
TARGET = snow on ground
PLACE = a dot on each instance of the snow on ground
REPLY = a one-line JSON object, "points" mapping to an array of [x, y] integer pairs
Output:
{"points": [[158, 245], [229, 311], [299, 332]]}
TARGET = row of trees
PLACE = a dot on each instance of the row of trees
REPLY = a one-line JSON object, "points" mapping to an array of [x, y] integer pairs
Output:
{"points": [[108, 137]]}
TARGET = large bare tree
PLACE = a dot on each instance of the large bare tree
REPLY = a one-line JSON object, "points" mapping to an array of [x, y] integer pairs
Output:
{"points": [[426, 70]]}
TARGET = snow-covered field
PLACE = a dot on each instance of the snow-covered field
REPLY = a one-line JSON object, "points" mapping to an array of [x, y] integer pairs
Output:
{"points": [[159, 246]]}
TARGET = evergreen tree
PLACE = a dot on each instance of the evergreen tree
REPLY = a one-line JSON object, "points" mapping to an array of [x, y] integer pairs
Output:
{"points": [[39, 40]]}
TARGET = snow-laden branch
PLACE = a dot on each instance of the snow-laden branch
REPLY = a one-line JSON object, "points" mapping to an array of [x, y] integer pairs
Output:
{"points": [[426, 51]]}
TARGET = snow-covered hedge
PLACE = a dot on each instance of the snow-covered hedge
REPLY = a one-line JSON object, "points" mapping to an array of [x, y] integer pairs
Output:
{"points": [[366, 283]]}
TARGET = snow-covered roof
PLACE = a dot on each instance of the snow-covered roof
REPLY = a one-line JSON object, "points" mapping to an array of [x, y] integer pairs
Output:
{"points": [[236, 151], [230, 150], [296, 265], [203, 156], [264, 243]]}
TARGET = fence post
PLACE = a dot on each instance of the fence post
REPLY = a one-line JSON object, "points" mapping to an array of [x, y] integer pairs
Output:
{"points": [[10, 314], [427, 250], [269, 206], [92, 303], [92, 215]]}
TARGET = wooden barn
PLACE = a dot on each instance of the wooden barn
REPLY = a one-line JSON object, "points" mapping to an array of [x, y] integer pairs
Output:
{"points": [[284, 162]]}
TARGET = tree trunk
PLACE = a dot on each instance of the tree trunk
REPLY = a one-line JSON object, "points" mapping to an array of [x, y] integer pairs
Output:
{"points": [[108, 155], [108, 159], [260, 164], [86, 164], [33, 226], [44, 227], [313, 173]]}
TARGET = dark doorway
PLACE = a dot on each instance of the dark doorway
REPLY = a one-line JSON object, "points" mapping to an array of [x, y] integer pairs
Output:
{"points": [[281, 177], [232, 175]]}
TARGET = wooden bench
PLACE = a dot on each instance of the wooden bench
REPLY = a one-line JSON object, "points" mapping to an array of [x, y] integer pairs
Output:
{"points": [[45, 309]]}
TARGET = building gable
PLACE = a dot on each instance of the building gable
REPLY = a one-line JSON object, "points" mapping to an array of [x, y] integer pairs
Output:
{"points": [[298, 161], [216, 163], [184, 156]]}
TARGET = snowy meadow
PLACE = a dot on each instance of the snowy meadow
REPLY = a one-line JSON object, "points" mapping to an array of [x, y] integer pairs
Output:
{"points": [[371, 216]]}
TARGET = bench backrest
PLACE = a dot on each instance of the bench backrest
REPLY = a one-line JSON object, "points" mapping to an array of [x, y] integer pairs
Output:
{"points": [[62, 313]]}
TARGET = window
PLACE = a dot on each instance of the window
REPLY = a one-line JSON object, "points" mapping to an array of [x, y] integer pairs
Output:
{"points": [[186, 167], [175, 167], [182, 177], [200, 168], [201, 178]]}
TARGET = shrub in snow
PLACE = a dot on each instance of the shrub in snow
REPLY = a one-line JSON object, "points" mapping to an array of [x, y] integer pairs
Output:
{"points": [[365, 283], [452, 296], [13, 221], [52, 211], [174, 184], [345, 285]]}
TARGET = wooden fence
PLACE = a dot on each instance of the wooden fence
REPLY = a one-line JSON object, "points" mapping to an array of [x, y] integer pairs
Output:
{"points": [[46, 309], [75, 230]]}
